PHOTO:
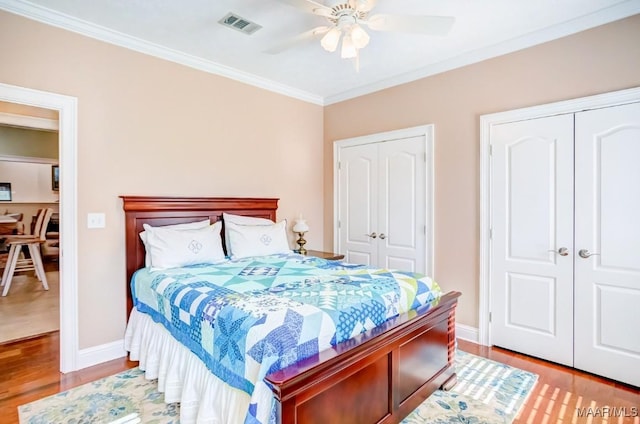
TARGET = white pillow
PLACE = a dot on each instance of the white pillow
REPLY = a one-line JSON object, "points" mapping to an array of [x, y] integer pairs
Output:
{"points": [[242, 220], [186, 226], [171, 248], [257, 240]]}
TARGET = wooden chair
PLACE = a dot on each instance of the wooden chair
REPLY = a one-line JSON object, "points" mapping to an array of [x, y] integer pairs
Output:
{"points": [[16, 263]]}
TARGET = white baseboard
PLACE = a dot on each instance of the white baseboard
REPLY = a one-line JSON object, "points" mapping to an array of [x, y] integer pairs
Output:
{"points": [[99, 354], [468, 333]]}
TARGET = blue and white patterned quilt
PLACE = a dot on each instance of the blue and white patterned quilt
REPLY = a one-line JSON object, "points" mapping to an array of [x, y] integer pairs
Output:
{"points": [[247, 318]]}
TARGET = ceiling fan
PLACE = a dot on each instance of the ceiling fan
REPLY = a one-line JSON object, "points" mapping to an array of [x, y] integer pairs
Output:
{"points": [[347, 20]]}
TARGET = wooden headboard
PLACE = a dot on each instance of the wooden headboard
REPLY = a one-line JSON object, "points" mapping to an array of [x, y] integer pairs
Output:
{"points": [[158, 211]]}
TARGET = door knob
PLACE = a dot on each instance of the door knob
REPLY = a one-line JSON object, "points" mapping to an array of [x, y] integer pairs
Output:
{"points": [[563, 251], [372, 235], [584, 253], [382, 236]]}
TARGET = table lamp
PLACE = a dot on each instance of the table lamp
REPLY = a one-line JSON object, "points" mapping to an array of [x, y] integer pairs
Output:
{"points": [[300, 228]]}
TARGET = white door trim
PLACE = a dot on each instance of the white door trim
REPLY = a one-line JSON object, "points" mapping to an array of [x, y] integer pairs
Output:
{"points": [[67, 108], [424, 130], [486, 123]]}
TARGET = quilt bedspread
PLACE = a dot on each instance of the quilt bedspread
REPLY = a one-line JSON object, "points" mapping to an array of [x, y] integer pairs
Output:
{"points": [[247, 318]]}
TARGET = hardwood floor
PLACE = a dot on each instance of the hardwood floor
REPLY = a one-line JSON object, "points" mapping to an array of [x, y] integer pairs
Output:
{"points": [[561, 390], [29, 309], [29, 371]]}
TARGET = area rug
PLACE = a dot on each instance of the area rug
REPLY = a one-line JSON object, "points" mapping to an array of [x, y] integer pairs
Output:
{"points": [[487, 392]]}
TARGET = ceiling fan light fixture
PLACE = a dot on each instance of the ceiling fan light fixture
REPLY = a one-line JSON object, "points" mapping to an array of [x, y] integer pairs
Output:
{"points": [[349, 50], [359, 36], [362, 5], [331, 39]]}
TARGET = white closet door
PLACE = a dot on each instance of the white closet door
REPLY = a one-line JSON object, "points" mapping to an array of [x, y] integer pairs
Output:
{"points": [[358, 213], [402, 204], [532, 237], [607, 283]]}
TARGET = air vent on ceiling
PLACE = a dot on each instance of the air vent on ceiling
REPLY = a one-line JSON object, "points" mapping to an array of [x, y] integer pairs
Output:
{"points": [[234, 21]]}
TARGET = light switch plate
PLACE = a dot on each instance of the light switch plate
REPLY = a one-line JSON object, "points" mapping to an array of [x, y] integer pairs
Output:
{"points": [[95, 220]]}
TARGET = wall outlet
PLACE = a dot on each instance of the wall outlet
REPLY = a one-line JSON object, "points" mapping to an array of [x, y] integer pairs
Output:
{"points": [[95, 220]]}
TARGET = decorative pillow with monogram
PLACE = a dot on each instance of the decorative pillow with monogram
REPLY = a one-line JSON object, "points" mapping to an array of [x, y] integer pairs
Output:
{"points": [[171, 248], [186, 226], [257, 240], [242, 220]]}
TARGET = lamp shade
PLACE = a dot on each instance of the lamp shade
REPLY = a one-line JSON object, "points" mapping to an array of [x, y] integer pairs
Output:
{"points": [[300, 226], [330, 40], [359, 36], [349, 50]]}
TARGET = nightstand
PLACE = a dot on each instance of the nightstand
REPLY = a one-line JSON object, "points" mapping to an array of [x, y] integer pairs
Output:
{"points": [[325, 255]]}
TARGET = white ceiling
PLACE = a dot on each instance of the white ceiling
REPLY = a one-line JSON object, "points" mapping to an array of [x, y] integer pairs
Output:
{"points": [[188, 32]]}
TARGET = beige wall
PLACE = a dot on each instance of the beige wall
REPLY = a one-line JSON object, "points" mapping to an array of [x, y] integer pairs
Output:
{"points": [[152, 127], [31, 182], [603, 59]]}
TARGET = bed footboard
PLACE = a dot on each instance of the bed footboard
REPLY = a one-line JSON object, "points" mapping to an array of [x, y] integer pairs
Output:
{"points": [[378, 377]]}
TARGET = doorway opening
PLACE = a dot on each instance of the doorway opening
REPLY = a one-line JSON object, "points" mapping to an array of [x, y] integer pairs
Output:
{"points": [[67, 109], [29, 302]]}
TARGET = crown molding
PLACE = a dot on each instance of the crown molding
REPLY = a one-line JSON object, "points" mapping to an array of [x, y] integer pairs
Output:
{"points": [[79, 26], [31, 122], [28, 159], [60, 20]]}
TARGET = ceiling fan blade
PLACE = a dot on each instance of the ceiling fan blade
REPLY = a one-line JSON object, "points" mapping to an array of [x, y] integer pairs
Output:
{"points": [[297, 40], [309, 6], [422, 24], [363, 5]]}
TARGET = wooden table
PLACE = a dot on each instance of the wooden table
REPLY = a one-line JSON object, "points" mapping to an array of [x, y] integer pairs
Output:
{"points": [[8, 225], [325, 255]]}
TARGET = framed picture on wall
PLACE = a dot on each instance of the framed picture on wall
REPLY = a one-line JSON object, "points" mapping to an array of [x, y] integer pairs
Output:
{"points": [[55, 177], [5, 192]]}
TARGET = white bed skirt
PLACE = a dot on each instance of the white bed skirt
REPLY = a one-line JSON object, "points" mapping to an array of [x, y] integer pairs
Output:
{"points": [[182, 376]]}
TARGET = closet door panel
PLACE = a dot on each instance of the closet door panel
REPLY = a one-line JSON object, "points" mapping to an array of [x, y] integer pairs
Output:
{"points": [[607, 273], [358, 213], [402, 206], [532, 243]]}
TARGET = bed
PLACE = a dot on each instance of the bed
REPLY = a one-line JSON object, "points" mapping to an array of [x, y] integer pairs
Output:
{"points": [[378, 376]]}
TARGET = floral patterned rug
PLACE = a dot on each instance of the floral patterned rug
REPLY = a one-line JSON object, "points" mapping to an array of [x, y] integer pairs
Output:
{"points": [[487, 392]]}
